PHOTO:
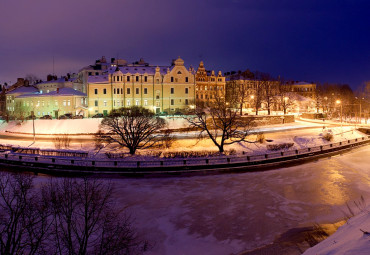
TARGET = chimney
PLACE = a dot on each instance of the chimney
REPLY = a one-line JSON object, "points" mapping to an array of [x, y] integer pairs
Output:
{"points": [[57, 90]]}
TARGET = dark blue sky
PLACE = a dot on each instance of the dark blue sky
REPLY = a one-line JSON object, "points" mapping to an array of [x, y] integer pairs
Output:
{"points": [[321, 41]]}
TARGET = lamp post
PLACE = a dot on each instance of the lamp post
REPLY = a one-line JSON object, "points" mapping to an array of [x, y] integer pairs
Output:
{"points": [[33, 126], [341, 114]]}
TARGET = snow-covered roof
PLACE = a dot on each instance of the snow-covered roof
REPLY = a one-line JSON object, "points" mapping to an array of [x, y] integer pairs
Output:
{"points": [[23, 90], [302, 83], [139, 70], [60, 92], [60, 80], [97, 79]]}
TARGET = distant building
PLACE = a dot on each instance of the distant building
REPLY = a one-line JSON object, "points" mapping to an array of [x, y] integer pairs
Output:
{"points": [[55, 103], [208, 85], [305, 89]]}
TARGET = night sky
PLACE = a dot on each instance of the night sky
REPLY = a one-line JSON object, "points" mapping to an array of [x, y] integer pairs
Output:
{"points": [[310, 40]]}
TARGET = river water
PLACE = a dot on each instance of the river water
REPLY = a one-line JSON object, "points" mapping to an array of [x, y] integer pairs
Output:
{"points": [[230, 213]]}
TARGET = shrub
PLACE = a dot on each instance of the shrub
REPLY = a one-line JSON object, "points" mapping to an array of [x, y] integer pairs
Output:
{"points": [[260, 137], [280, 146], [62, 141], [328, 136]]}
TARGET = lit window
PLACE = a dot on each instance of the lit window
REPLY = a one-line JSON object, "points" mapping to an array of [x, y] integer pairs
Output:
{"points": [[64, 102], [69, 102], [128, 102], [105, 103], [136, 102], [145, 102]]}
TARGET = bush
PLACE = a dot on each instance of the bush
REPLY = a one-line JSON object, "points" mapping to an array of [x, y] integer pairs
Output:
{"points": [[328, 136], [280, 146], [62, 141], [260, 137]]}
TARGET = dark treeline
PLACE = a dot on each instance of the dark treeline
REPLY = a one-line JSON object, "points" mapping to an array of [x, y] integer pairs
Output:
{"points": [[64, 216]]}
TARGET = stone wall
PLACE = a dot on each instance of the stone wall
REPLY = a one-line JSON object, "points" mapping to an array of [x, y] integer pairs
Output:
{"points": [[271, 120]]}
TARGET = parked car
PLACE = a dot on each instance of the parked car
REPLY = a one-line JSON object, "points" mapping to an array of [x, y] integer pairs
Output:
{"points": [[30, 117], [66, 116], [46, 117], [78, 117], [98, 115], [69, 115]]}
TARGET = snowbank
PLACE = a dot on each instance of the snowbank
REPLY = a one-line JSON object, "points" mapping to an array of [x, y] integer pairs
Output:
{"points": [[352, 238], [69, 126]]}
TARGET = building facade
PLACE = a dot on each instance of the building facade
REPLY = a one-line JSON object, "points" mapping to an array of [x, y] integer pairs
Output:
{"points": [[208, 85], [55, 103], [162, 89]]}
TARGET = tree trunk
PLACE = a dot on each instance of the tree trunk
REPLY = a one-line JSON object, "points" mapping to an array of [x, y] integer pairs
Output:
{"points": [[132, 151]]}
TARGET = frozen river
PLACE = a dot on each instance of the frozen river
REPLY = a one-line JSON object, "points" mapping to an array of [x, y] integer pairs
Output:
{"points": [[230, 213]]}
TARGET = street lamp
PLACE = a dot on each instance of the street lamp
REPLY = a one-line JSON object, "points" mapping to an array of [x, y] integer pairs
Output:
{"points": [[341, 114]]}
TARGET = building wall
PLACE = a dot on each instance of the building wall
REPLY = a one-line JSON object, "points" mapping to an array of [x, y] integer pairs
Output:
{"points": [[170, 92], [49, 105], [208, 85]]}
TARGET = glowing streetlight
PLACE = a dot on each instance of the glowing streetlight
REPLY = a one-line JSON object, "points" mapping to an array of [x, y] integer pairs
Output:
{"points": [[252, 96]]}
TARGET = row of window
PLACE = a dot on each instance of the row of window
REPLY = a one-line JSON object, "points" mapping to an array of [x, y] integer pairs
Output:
{"points": [[137, 78], [117, 103], [56, 103], [137, 91], [210, 88]]}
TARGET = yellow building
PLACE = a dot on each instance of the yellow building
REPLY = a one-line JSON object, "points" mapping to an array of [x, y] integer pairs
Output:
{"points": [[162, 89], [208, 84], [54, 103]]}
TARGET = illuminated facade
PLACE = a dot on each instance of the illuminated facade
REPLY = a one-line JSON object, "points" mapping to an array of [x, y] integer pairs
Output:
{"points": [[167, 89], [208, 85]]}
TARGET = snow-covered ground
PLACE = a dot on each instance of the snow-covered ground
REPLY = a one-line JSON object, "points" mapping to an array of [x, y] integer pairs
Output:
{"points": [[351, 238], [69, 126]]}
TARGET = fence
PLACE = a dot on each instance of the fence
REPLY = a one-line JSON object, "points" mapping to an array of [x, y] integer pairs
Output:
{"points": [[77, 163]]}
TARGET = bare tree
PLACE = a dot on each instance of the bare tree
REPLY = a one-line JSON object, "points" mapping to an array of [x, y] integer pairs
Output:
{"points": [[268, 86], [24, 216], [285, 96], [258, 91], [221, 123], [133, 128], [87, 221]]}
